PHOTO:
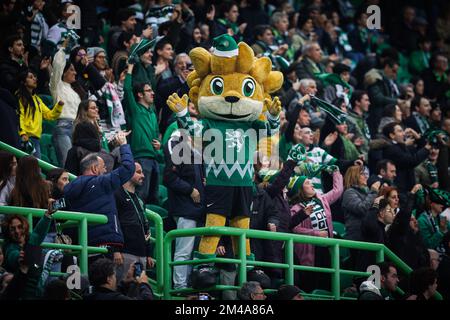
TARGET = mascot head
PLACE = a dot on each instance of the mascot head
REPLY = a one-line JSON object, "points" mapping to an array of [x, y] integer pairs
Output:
{"points": [[230, 84]]}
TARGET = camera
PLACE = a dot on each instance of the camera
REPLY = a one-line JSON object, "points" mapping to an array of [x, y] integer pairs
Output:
{"points": [[59, 204], [137, 269]]}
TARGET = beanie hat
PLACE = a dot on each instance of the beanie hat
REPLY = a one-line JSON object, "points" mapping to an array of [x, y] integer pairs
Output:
{"points": [[225, 46], [296, 184], [268, 175], [438, 196]]}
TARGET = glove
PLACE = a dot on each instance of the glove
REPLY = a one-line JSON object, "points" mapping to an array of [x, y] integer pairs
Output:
{"points": [[297, 153]]}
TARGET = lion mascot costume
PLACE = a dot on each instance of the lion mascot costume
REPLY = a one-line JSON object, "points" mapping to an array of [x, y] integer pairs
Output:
{"points": [[230, 88]]}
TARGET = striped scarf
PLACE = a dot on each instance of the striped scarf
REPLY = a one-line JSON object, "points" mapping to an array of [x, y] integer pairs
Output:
{"points": [[39, 30], [113, 104], [319, 157], [432, 171]]}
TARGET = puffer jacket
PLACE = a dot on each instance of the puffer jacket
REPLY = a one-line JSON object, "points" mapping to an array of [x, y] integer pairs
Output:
{"points": [[356, 202], [95, 194]]}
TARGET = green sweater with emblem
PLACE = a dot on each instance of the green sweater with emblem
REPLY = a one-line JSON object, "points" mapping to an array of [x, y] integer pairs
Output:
{"points": [[144, 123], [228, 147]]}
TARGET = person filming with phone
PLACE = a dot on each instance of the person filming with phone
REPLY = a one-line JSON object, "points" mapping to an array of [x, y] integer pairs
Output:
{"points": [[23, 254], [93, 192]]}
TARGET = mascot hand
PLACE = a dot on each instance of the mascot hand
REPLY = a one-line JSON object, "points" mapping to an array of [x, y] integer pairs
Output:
{"points": [[177, 104], [273, 106]]}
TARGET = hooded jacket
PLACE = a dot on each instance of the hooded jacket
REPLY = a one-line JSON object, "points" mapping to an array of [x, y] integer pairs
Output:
{"points": [[95, 194]]}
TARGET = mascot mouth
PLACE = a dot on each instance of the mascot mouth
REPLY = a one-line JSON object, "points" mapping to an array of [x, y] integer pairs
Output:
{"points": [[231, 116]]}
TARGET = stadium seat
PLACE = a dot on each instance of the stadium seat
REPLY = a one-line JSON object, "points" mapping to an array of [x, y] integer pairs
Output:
{"points": [[339, 228], [322, 293], [48, 150], [159, 210], [162, 196], [350, 295]]}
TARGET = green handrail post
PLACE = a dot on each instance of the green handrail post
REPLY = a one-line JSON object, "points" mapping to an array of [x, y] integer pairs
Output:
{"points": [[289, 258], [30, 221], [159, 248], [243, 258], [380, 255], [82, 235], [336, 276], [42, 164], [166, 262]]}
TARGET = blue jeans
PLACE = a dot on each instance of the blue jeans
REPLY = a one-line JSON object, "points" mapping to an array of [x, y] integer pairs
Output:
{"points": [[37, 147], [183, 252], [148, 192], [62, 139]]}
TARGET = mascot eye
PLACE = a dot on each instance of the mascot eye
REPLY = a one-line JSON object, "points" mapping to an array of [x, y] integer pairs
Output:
{"points": [[248, 87], [217, 86]]}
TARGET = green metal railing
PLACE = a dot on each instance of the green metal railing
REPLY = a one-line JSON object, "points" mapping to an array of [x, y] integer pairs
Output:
{"points": [[45, 166], [80, 219], [158, 251], [334, 246]]}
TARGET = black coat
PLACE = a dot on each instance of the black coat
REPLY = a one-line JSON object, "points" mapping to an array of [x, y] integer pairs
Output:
{"points": [[402, 240], [9, 121], [134, 225], [180, 181], [144, 292], [304, 70], [262, 212], [405, 159], [444, 277], [9, 71]]}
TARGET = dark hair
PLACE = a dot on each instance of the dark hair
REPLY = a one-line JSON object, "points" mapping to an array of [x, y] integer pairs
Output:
{"points": [[31, 190], [389, 110], [24, 96], [159, 46], [382, 165], [420, 279], [260, 29], [56, 290], [138, 88], [385, 266], [8, 221], [9, 42], [124, 14], [415, 103], [302, 20], [99, 271], [125, 36], [54, 174], [6, 159], [389, 62], [227, 5], [389, 128], [357, 96]]}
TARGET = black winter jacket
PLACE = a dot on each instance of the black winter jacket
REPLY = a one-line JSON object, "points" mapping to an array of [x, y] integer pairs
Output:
{"points": [[405, 159], [180, 181]]}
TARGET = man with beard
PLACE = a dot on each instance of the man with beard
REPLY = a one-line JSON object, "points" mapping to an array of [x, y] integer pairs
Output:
{"points": [[14, 63], [134, 225]]}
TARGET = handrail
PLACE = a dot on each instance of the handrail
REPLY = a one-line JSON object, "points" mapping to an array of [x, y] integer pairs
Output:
{"points": [[83, 220], [19, 154], [159, 249], [334, 245]]}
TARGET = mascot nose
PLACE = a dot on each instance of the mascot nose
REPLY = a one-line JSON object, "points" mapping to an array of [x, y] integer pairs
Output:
{"points": [[231, 99]]}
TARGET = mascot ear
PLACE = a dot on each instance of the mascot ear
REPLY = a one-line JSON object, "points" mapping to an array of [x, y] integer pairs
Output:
{"points": [[261, 69], [245, 59], [273, 82], [193, 95], [201, 59]]}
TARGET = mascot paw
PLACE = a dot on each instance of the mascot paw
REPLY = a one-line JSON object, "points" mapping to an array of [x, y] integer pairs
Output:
{"points": [[177, 104], [273, 106]]}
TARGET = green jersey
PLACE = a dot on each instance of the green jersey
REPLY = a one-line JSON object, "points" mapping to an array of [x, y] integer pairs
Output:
{"points": [[228, 147]]}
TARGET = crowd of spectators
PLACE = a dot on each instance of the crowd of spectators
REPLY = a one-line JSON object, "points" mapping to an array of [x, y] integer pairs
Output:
{"points": [[377, 161]]}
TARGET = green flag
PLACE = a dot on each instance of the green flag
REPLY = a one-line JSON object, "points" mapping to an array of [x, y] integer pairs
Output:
{"points": [[336, 115], [334, 79]]}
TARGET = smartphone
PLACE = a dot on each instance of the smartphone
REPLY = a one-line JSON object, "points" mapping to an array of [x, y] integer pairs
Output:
{"points": [[59, 204], [137, 269], [203, 296]]}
